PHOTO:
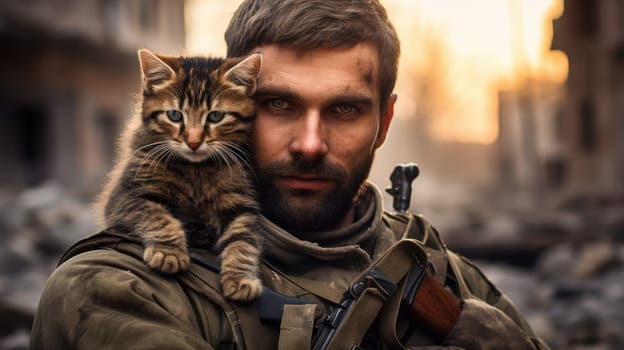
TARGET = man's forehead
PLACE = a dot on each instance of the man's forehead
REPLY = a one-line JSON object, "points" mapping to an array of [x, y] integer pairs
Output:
{"points": [[361, 58], [368, 70]]}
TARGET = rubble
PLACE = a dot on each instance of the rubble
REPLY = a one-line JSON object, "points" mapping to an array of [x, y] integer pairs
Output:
{"points": [[38, 225]]}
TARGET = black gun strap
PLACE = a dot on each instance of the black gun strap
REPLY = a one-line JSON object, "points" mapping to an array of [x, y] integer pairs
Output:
{"points": [[381, 281]]}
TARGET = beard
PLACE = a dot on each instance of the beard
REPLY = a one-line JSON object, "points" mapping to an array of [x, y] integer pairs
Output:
{"points": [[300, 211]]}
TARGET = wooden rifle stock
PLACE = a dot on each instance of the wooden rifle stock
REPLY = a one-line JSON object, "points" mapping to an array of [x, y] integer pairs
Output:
{"points": [[434, 307]]}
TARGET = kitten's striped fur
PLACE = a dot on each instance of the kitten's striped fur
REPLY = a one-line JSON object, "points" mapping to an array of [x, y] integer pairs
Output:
{"points": [[183, 177]]}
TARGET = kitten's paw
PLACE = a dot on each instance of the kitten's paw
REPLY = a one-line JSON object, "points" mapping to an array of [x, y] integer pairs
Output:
{"points": [[241, 288], [166, 259]]}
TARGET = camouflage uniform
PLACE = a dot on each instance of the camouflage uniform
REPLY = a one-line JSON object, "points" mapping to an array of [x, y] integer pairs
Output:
{"points": [[104, 296]]}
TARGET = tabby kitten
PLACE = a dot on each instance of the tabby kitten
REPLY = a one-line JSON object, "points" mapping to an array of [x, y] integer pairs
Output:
{"points": [[183, 176]]}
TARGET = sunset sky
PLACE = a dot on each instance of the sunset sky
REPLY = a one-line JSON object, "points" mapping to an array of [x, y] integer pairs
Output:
{"points": [[486, 45]]}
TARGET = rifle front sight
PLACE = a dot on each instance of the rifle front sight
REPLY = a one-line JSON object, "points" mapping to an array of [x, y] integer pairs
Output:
{"points": [[401, 188]]}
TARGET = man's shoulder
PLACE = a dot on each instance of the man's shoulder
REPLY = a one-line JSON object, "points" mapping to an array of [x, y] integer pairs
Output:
{"points": [[101, 262], [113, 252], [415, 226], [99, 258], [89, 273], [476, 280], [101, 283], [115, 274], [109, 240]]}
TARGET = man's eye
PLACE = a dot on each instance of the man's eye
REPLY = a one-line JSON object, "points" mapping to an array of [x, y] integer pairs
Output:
{"points": [[277, 103], [344, 108]]}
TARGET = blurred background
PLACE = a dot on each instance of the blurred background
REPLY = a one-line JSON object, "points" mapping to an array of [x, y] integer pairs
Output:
{"points": [[513, 110]]}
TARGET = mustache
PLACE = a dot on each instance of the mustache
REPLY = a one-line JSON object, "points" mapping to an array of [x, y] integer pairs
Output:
{"points": [[317, 168]]}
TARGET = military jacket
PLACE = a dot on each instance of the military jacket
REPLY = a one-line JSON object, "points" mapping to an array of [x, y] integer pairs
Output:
{"points": [[103, 296]]}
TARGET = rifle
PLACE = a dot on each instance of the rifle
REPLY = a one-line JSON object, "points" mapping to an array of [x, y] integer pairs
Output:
{"points": [[327, 329], [430, 305]]}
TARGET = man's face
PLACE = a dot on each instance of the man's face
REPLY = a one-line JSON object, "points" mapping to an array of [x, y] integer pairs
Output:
{"points": [[318, 125]]}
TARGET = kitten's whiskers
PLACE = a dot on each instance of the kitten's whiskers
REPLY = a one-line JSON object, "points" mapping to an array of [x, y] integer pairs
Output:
{"points": [[238, 154], [229, 152], [157, 143], [151, 159]]}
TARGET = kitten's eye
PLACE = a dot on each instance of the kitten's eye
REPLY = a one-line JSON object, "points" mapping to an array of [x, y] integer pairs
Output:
{"points": [[174, 115], [277, 103], [216, 116]]}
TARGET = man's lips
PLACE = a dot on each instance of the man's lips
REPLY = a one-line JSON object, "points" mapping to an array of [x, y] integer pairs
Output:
{"points": [[304, 182]]}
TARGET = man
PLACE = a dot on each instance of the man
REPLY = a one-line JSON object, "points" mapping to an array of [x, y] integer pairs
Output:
{"points": [[325, 103]]}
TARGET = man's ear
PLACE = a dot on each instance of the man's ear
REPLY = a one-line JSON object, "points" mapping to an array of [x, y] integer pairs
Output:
{"points": [[386, 118]]}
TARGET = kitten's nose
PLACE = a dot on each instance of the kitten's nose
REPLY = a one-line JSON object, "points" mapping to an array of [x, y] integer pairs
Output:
{"points": [[194, 145]]}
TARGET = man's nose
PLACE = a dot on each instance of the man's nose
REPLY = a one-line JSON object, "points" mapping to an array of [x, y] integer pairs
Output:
{"points": [[310, 139]]}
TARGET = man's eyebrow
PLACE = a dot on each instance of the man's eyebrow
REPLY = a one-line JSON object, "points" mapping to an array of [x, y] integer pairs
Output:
{"points": [[275, 91], [352, 99], [348, 98]]}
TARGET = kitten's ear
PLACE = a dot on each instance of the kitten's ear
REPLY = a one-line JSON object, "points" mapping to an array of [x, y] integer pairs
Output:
{"points": [[157, 70], [245, 73]]}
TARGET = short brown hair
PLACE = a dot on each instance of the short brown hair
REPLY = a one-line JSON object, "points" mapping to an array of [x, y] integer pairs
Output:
{"points": [[311, 24]]}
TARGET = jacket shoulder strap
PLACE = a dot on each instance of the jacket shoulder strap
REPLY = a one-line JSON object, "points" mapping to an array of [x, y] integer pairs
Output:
{"points": [[416, 227], [372, 289], [440, 264]]}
